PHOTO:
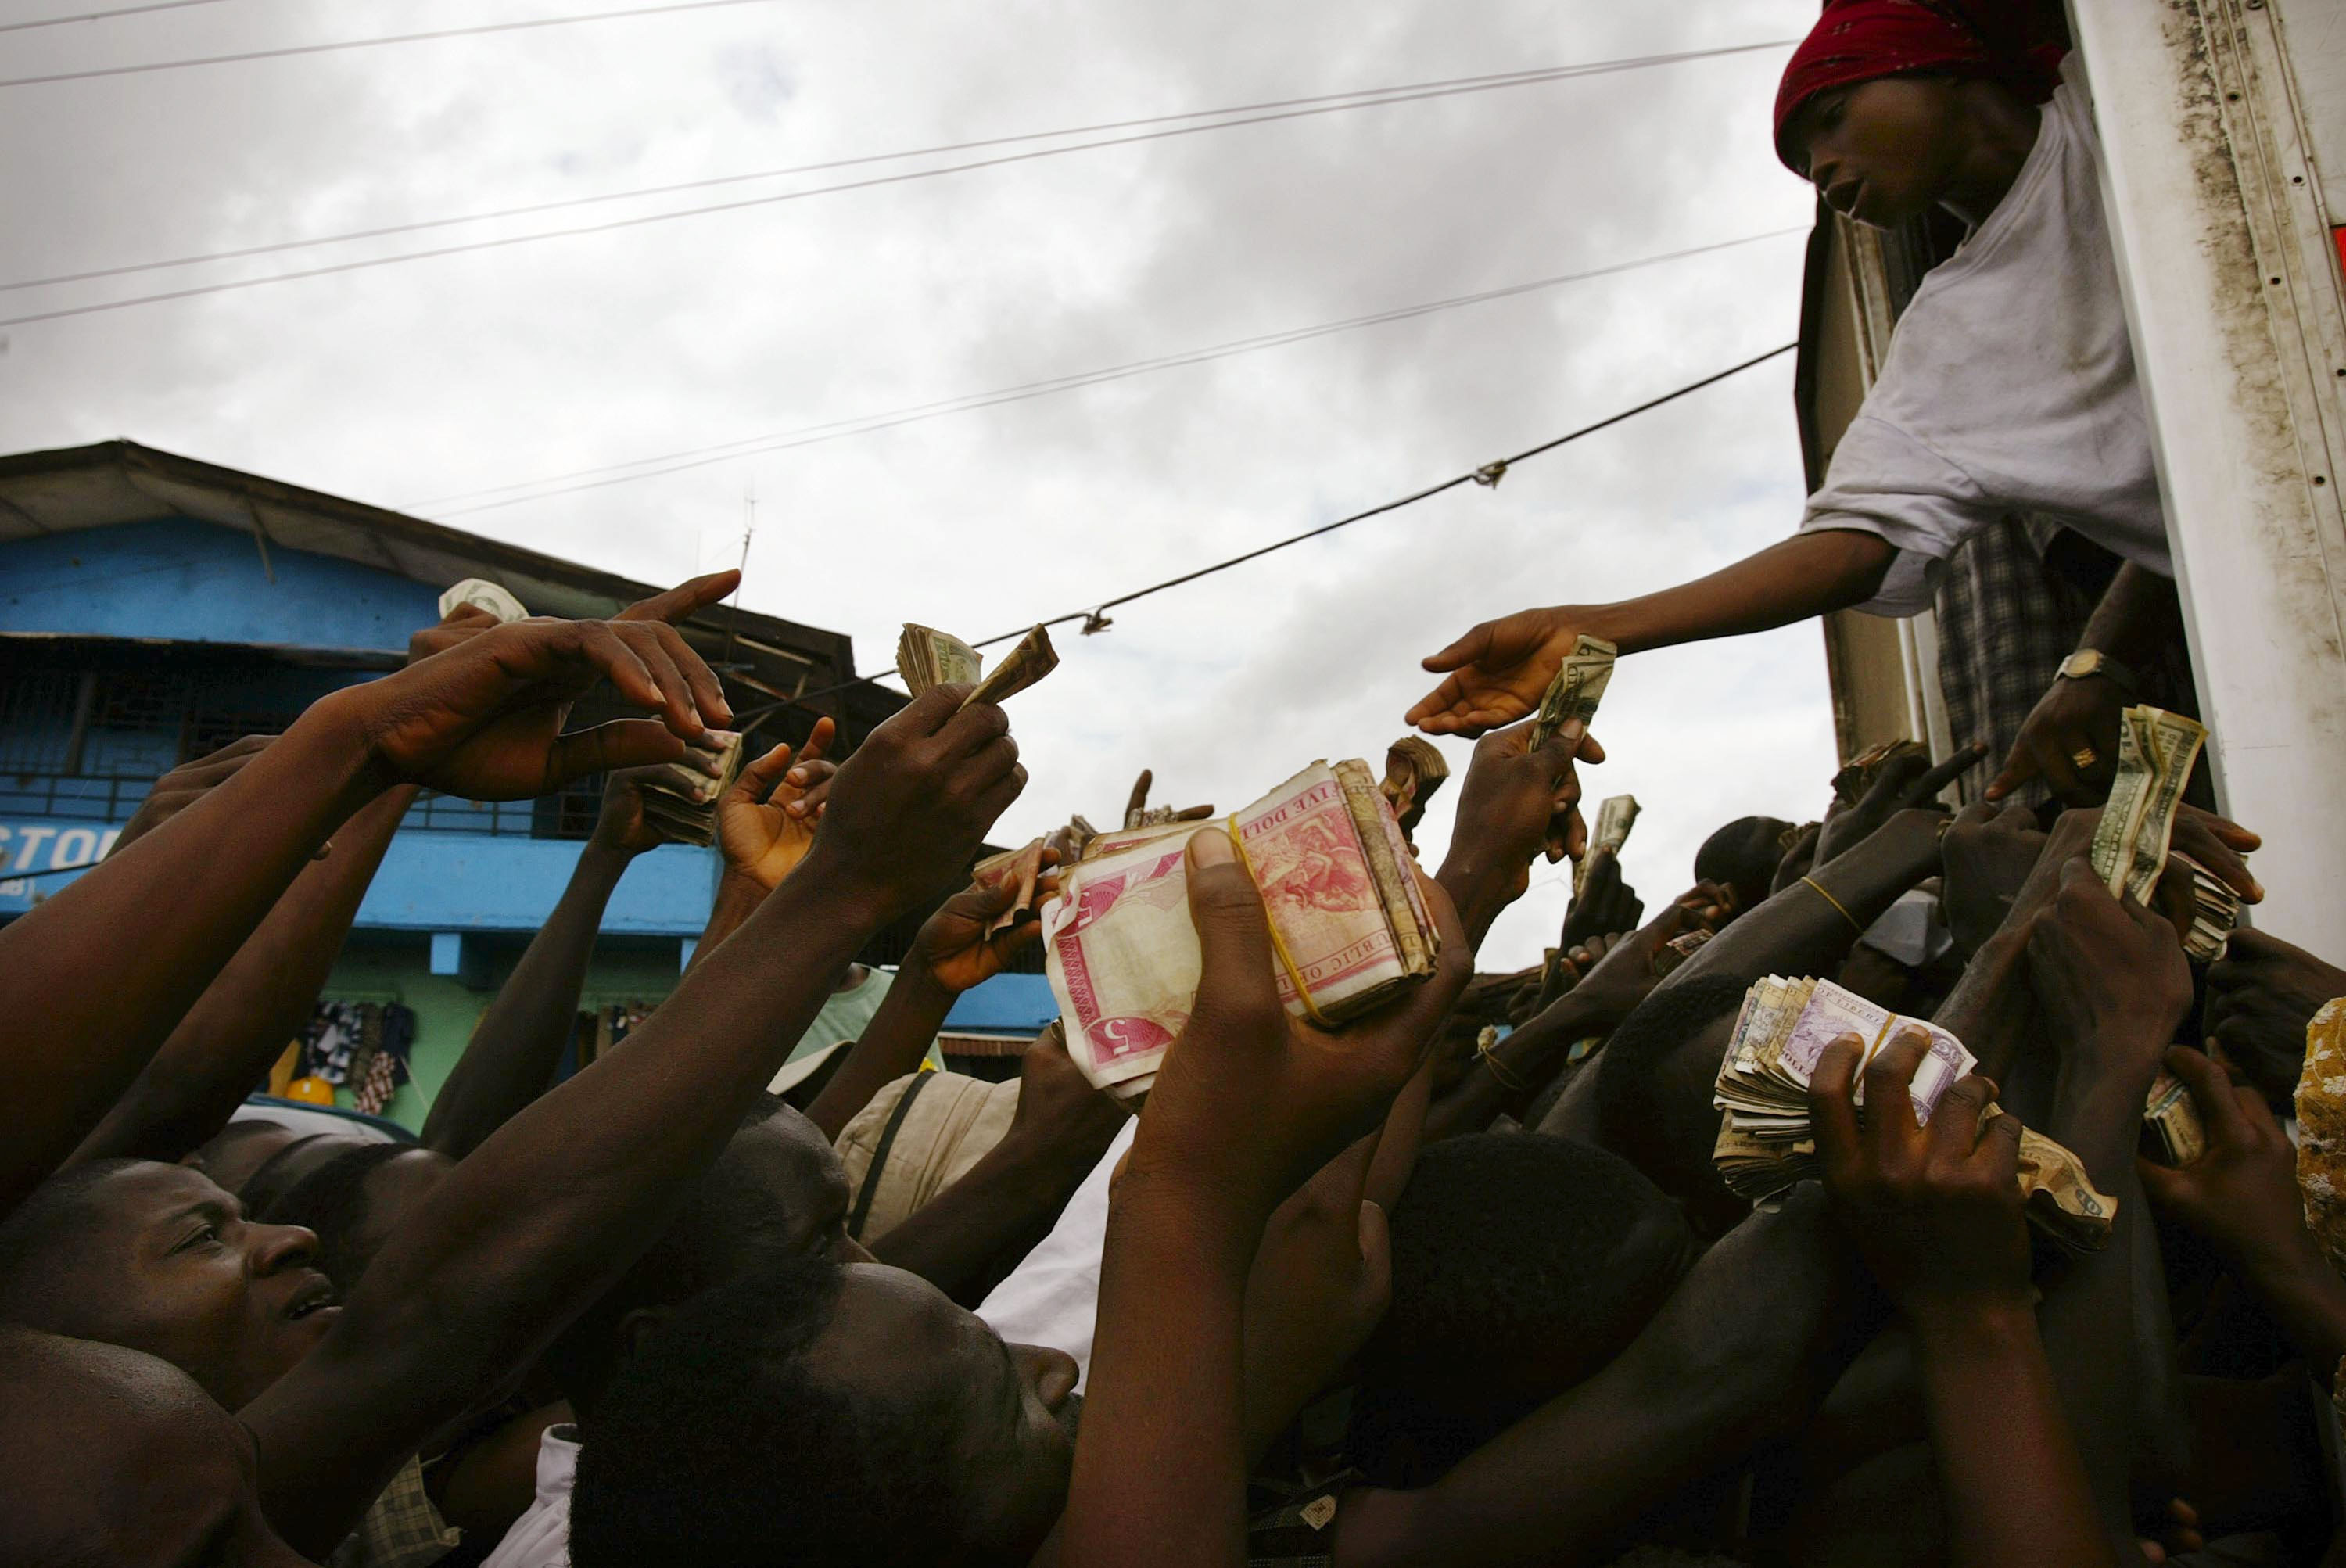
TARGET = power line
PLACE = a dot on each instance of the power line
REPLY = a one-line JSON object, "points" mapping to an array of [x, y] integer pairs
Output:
{"points": [[1489, 474], [1367, 97], [621, 223], [610, 474], [292, 50], [103, 15]]}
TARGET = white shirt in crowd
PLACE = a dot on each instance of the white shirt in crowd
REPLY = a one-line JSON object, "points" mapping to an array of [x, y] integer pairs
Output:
{"points": [[540, 1538], [1052, 1297], [2009, 385]]}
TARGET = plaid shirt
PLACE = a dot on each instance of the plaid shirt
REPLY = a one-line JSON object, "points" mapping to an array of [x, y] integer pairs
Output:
{"points": [[2006, 620], [403, 1530]]}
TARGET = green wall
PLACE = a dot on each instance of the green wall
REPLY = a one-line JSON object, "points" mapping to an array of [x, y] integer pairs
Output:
{"points": [[396, 967]]}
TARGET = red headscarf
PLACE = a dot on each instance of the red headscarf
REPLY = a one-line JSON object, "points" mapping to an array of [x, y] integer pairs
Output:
{"points": [[1860, 40]]}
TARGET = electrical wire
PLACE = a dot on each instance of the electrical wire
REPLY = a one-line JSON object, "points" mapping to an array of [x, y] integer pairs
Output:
{"points": [[1489, 474], [642, 220], [608, 475], [1367, 97], [290, 51], [103, 15]]}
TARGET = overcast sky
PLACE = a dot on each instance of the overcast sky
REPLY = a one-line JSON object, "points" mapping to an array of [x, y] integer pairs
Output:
{"points": [[400, 384]]}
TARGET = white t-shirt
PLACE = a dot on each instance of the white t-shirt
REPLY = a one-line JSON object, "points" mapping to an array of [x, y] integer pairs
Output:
{"points": [[1052, 1297], [540, 1538], [2009, 385]]}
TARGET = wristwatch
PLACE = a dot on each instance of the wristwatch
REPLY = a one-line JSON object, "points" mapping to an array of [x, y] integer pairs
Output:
{"points": [[2093, 661]]}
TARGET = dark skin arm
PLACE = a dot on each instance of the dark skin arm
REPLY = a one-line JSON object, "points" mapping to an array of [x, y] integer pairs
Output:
{"points": [[1497, 672], [2112, 984], [2242, 1196], [557, 1202], [1740, 1355], [765, 825], [1514, 804], [485, 725], [1248, 1104], [225, 1044], [1936, 1212], [515, 1047], [2138, 617], [951, 954], [965, 1238]]}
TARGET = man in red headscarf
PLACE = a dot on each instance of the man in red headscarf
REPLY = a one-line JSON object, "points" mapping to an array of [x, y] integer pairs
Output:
{"points": [[2009, 387]]}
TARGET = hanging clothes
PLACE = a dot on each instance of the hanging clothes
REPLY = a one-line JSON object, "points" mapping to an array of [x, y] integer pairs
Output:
{"points": [[394, 1036]]}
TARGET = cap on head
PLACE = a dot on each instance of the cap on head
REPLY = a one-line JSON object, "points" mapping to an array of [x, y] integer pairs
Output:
{"points": [[1861, 40]]}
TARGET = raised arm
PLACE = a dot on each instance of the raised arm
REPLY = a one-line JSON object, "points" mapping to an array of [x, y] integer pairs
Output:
{"points": [[1497, 672], [557, 1202], [1514, 804], [511, 1058], [765, 825], [1742, 1352], [482, 719], [1248, 1104], [1936, 1212], [225, 1044], [951, 953]]}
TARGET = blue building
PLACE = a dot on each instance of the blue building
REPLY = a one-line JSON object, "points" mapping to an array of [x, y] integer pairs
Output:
{"points": [[153, 608]]}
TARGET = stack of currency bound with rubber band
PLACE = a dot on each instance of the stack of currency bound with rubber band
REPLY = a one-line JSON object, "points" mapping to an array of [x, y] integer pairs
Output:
{"points": [[1349, 930], [927, 657], [1616, 815], [1579, 685], [2172, 1119], [2156, 751], [680, 799], [1767, 1141]]}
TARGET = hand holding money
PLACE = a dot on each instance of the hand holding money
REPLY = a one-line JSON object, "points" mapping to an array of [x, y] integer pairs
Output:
{"points": [[1249, 1100], [1352, 926], [2243, 1192], [1934, 1204], [926, 657], [1496, 673], [2110, 976], [766, 821], [1515, 803]]}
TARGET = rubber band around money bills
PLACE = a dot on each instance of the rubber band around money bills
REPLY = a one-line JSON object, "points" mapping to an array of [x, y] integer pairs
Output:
{"points": [[1277, 942]]}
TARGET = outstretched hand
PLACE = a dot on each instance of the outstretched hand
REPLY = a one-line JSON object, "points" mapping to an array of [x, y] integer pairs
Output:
{"points": [[1514, 803], [1248, 1100], [1497, 674], [483, 718], [1604, 903], [766, 821], [2241, 1194], [953, 948], [1903, 783], [2260, 996]]}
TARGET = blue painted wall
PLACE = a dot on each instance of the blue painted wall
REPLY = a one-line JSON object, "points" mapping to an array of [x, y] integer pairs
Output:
{"points": [[195, 582]]}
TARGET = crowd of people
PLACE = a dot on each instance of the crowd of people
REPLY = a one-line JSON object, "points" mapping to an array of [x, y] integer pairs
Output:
{"points": [[1457, 1282]]}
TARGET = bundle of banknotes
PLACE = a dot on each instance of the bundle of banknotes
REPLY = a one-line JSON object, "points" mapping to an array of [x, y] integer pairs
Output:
{"points": [[2172, 1119], [1579, 685], [1858, 774], [927, 657], [680, 799], [1616, 815], [2156, 751], [1020, 870], [1352, 931], [1766, 1141]]}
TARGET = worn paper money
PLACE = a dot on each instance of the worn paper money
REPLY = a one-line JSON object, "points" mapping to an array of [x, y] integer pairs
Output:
{"points": [[1020, 869], [1579, 685], [2322, 1131], [1616, 815], [927, 657], [2156, 751], [2172, 1118], [1414, 771], [681, 801], [1122, 957]]}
